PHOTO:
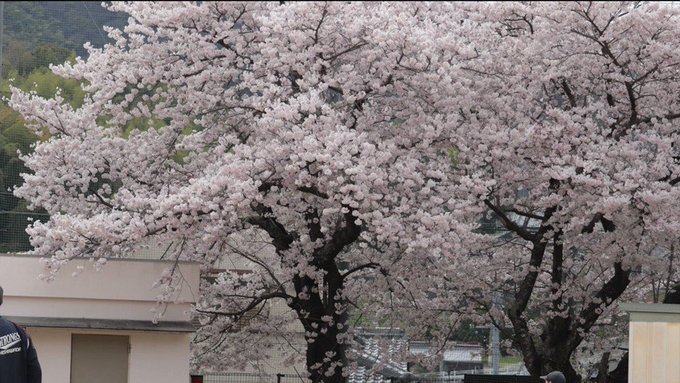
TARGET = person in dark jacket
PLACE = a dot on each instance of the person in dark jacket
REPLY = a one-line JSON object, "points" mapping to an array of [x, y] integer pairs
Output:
{"points": [[18, 358]]}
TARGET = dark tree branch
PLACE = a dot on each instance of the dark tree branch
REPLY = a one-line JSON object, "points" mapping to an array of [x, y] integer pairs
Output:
{"points": [[267, 222], [515, 311], [510, 224], [266, 187], [607, 225], [324, 13], [343, 236], [313, 190], [558, 327], [673, 295], [101, 199], [526, 214], [347, 50], [569, 93], [371, 265], [313, 224], [609, 292], [255, 301]]}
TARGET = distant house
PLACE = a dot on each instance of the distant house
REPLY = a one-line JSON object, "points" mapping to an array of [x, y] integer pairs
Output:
{"points": [[376, 364], [457, 357], [463, 356], [98, 326], [374, 349]]}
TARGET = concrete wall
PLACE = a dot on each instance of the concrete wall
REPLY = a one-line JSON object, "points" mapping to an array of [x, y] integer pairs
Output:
{"points": [[154, 357], [654, 343], [123, 290]]}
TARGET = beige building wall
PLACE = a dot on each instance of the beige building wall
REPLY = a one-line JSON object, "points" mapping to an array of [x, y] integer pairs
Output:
{"points": [[121, 295], [159, 357], [654, 343], [154, 357], [54, 352], [122, 289]]}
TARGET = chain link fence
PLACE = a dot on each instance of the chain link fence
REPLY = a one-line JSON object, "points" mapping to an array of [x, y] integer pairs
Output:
{"points": [[463, 377], [242, 377]]}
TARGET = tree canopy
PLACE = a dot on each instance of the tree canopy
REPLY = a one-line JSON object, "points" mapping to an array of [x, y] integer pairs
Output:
{"points": [[363, 144]]}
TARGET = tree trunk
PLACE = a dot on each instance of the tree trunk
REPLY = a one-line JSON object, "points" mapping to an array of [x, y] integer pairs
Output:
{"points": [[319, 305], [555, 359], [673, 295], [323, 317], [329, 355], [323, 321], [620, 373], [561, 335]]}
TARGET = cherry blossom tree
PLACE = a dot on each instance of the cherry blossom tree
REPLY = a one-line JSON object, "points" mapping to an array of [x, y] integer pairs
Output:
{"points": [[357, 144], [571, 126], [311, 126]]}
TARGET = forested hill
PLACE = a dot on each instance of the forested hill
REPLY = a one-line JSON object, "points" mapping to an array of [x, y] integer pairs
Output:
{"points": [[65, 24], [36, 34]]}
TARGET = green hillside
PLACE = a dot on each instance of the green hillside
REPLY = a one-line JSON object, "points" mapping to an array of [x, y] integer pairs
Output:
{"points": [[66, 24], [36, 34]]}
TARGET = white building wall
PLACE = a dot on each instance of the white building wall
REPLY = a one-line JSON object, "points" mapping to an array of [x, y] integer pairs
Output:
{"points": [[159, 357], [122, 290], [154, 357], [654, 343], [54, 353]]}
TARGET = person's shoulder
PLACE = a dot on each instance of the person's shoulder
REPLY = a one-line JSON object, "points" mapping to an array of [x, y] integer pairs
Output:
{"points": [[4, 322], [6, 325]]}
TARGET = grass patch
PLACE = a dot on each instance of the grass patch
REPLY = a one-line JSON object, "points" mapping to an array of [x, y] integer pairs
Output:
{"points": [[506, 361]]}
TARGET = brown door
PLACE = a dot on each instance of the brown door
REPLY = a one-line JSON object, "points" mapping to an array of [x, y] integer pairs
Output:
{"points": [[99, 358]]}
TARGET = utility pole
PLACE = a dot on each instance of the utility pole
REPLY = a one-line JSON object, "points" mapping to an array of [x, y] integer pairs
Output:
{"points": [[495, 349], [495, 342]]}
